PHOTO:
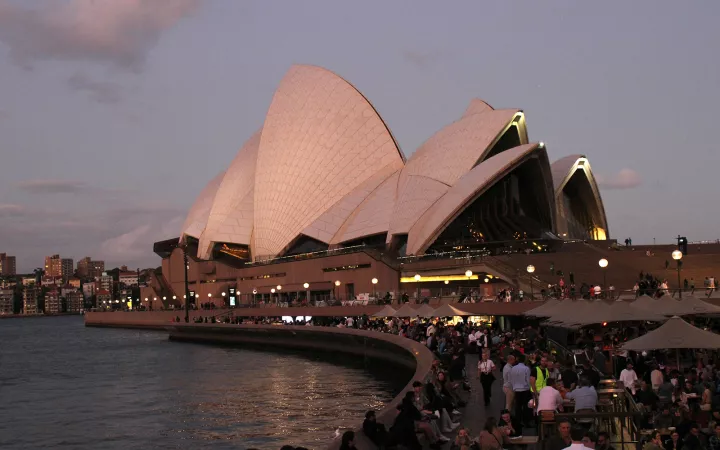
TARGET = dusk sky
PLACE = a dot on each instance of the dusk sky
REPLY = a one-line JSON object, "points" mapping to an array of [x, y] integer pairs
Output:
{"points": [[114, 114]]}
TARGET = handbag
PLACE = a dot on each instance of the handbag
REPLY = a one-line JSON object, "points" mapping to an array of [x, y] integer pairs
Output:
{"points": [[498, 441]]}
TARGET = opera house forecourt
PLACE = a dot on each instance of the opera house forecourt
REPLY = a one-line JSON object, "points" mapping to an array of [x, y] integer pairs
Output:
{"points": [[321, 203]]}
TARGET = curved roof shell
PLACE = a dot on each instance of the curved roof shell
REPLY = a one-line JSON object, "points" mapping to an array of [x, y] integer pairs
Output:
{"points": [[466, 190], [445, 157], [562, 171], [197, 218], [231, 216], [321, 140]]}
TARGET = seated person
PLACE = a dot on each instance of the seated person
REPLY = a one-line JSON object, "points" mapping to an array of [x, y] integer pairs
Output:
{"points": [[510, 425], [549, 398], [374, 431], [585, 396], [562, 439]]}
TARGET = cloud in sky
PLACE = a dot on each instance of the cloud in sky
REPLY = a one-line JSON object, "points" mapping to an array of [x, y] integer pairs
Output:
{"points": [[420, 59], [100, 91], [11, 210], [625, 179], [52, 186], [118, 33], [136, 244]]}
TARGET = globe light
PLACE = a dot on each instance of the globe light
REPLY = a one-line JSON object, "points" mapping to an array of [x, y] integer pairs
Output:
{"points": [[487, 280], [272, 291], [530, 268], [254, 291], [417, 277], [223, 294], [447, 281], [279, 288], [164, 298], [197, 295], [209, 294], [374, 281], [306, 285], [468, 273], [174, 297], [677, 255], [337, 282], [603, 263], [154, 298], [146, 299]]}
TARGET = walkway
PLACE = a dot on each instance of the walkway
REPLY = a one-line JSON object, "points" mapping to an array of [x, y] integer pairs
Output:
{"points": [[475, 413]]}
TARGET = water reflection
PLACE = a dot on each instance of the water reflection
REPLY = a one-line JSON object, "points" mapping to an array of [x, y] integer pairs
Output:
{"points": [[66, 386]]}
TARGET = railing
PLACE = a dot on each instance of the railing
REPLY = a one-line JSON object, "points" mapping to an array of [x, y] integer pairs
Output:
{"points": [[621, 426], [265, 260]]}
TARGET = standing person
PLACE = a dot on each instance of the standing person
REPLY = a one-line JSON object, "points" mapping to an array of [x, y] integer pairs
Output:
{"points": [[520, 378], [486, 369], [629, 377], [538, 377], [507, 384]]}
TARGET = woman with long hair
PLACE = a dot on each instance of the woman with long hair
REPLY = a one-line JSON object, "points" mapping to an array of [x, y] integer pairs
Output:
{"points": [[491, 437]]}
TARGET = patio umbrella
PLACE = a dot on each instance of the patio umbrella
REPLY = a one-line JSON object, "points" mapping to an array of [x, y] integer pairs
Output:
{"points": [[387, 311], [669, 306], [448, 310], [612, 312], [426, 311], [405, 311], [677, 334], [543, 310], [572, 312]]}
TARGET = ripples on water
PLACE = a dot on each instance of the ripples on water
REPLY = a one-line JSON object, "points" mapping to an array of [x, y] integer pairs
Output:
{"points": [[66, 386]]}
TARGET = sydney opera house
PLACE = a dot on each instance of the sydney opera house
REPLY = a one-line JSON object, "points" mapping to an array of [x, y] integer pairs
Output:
{"points": [[322, 199]]}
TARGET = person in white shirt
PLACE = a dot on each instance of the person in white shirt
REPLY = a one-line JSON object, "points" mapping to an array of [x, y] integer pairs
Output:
{"points": [[550, 398], [656, 378], [629, 378], [485, 372], [430, 330]]}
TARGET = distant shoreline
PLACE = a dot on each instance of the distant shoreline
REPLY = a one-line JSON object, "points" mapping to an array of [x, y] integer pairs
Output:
{"points": [[27, 316]]}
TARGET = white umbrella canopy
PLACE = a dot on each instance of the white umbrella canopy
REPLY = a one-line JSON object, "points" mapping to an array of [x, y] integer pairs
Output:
{"points": [[697, 305], [448, 310], [426, 311], [675, 333], [406, 311], [618, 312], [574, 311], [544, 310], [387, 311]]}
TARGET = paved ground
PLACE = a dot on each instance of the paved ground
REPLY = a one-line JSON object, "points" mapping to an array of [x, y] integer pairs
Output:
{"points": [[475, 413]]}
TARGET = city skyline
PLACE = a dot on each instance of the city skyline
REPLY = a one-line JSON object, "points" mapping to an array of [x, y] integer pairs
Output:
{"points": [[109, 142]]}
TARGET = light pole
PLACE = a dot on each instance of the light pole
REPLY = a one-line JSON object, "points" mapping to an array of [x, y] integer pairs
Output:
{"points": [[307, 292], [374, 283], [417, 282], [186, 266], [272, 291], [337, 285], [677, 256], [603, 263], [530, 269], [279, 288], [254, 299]]}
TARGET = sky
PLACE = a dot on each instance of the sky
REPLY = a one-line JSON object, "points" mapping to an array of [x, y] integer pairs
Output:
{"points": [[114, 114]]}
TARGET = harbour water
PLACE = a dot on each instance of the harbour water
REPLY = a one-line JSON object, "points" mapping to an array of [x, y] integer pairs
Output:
{"points": [[66, 386]]}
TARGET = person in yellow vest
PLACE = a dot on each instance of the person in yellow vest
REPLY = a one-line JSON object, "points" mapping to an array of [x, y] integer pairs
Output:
{"points": [[538, 377]]}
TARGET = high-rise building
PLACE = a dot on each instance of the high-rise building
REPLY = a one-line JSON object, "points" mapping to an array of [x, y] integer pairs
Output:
{"points": [[30, 299], [74, 301], [87, 268], [7, 264], [67, 268], [6, 301], [53, 266], [52, 302], [107, 282]]}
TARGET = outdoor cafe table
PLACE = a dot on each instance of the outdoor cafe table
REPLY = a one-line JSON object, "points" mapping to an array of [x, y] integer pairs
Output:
{"points": [[524, 440]]}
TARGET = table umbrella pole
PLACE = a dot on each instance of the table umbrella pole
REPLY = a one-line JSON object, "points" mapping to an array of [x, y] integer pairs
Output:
{"points": [[677, 356]]}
